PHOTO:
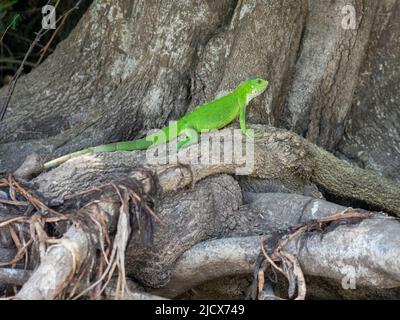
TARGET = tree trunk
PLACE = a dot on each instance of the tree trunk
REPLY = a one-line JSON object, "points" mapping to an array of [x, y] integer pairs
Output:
{"points": [[132, 66]]}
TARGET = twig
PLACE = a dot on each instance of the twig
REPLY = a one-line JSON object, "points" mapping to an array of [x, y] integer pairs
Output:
{"points": [[39, 205], [18, 73], [46, 47], [73, 258], [18, 256], [8, 27], [12, 220], [14, 202], [16, 35], [269, 258], [290, 263], [16, 61], [3, 45]]}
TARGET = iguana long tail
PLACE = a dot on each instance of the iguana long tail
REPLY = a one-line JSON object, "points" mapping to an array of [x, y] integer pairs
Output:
{"points": [[139, 144], [160, 137]]}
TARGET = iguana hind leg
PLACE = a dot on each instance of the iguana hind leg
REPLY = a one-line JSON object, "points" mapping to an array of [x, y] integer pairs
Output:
{"points": [[191, 137]]}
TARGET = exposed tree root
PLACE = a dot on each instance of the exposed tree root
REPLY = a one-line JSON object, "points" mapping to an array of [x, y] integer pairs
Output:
{"points": [[211, 260], [220, 258], [14, 276], [69, 262], [135, 292], [290, 266], [232, 256], [278, 155], [62, 269]]}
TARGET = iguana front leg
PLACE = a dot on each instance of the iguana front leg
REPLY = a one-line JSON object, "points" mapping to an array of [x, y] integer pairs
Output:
{"points": [[242, 117], [242, 121]]}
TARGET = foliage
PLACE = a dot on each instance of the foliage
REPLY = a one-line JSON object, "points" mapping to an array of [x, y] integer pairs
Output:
{"points": [[20, 21], [8, 17]]}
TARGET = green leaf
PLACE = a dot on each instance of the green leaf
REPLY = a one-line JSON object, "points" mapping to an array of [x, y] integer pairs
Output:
{"points": [[14, 19], [7, 4]]}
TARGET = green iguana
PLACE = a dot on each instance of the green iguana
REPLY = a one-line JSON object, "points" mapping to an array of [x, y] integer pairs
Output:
{"points": [[209, 116]]}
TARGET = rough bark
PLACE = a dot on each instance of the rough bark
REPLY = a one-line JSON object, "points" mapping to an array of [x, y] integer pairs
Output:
{"points": [[130, 66], [103, 73], [326, 71], [372, 136], [279, 155], [133, 66], [179, 250], [214, 209], [103, 76]]}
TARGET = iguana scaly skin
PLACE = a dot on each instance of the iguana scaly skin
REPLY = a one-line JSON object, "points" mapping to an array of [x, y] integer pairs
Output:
{"points": [[209, 116]]}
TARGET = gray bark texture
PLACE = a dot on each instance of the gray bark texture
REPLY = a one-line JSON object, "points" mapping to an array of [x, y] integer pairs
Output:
{"points": [[132, 66], [372, 136]]}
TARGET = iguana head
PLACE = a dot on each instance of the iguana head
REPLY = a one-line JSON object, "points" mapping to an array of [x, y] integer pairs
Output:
{"points": [[254, 87]]}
